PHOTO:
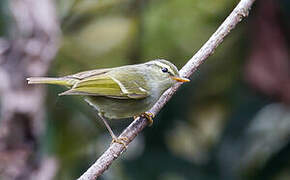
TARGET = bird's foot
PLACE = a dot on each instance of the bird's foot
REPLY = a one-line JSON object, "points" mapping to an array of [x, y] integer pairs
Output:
{"points": [[149, 116], [122, 140]]}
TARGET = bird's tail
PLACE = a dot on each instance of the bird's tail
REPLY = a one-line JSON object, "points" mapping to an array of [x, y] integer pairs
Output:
{"points": [[47, 80]]}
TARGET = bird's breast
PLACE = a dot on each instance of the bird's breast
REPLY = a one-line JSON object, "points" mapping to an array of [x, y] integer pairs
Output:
{"points": [[122, 108]]}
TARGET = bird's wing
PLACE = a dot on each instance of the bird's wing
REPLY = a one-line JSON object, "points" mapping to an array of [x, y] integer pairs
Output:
{"points": [[114, 85], [134, 86], [86, 74]]}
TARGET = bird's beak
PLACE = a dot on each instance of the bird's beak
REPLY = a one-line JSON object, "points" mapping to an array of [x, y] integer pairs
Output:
{"points": [[180, 79]]}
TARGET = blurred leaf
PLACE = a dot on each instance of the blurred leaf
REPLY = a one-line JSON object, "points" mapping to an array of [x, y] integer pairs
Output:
{"points": [[268, 133]]}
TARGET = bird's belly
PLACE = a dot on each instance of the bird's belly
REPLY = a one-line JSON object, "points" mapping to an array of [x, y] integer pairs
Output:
{"points": [[122, 108]]}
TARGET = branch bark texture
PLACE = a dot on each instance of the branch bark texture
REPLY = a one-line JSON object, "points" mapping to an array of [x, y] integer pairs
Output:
{"points": [[115, 150]]}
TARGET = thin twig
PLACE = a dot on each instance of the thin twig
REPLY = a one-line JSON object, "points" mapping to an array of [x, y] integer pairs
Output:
{"points": [[115, 150]]}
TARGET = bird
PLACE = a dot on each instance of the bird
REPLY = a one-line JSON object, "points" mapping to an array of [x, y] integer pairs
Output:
{"points": [[120, 92]]}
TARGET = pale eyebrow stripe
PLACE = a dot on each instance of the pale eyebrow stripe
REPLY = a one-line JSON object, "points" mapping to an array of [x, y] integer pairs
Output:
{"points": [[164, 65]]}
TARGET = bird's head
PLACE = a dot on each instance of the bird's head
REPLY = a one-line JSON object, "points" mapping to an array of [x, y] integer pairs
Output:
{"points": [[165, 73]]}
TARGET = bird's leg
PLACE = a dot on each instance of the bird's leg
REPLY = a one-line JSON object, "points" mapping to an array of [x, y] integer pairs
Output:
{"points": [[148, 115], [114, 137], [120, 140]]}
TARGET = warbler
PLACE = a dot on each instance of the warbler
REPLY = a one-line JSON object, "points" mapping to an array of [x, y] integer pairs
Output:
{"points": [[120, 92]]}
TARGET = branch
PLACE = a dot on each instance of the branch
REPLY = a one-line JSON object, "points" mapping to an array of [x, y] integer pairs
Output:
{"points": [[115, 150]]}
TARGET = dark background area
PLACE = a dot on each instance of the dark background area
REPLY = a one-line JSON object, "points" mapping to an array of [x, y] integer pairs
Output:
{"points": [[232, 121]]}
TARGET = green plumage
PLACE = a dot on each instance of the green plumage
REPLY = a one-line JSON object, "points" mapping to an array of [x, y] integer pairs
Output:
{"points": [[119, 92]]}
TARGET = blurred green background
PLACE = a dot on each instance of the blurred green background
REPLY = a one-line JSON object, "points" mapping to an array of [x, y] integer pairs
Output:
{"points": [[231, 122]]}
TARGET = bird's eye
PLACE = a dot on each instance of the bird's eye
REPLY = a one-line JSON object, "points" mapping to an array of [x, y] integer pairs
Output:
{"points": [[165, 70]]}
